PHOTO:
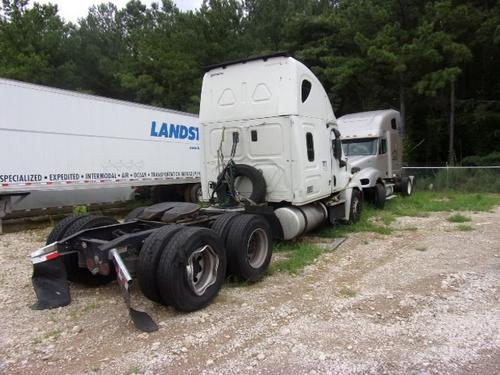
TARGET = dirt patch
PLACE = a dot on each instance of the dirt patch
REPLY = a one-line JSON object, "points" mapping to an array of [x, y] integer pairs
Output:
{"points": [[424, 300]]}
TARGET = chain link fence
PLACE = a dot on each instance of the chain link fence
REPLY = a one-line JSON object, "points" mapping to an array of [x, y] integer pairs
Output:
{"points": [[468, 179]]}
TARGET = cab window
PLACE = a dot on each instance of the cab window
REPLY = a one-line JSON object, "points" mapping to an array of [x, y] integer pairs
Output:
{"points": [[310, 146], [383, 146], [305, 89]]}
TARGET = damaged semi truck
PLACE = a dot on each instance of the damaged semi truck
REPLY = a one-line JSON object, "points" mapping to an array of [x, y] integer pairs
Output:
{"points": [[272, 168], [373, 142]]}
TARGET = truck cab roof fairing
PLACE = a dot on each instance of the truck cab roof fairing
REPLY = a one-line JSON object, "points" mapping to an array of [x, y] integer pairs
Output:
{"points": [[243, 61], [261, 88], [367, 124]]}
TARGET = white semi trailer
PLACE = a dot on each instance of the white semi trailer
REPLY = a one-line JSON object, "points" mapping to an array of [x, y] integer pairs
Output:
{"points": [[61, 147], [372, 142], [272, 168]]}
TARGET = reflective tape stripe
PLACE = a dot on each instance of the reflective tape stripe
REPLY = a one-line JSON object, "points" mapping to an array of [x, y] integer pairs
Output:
{"points": [[53, 255]]}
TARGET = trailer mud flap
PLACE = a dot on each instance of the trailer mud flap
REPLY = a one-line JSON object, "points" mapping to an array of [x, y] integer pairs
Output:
{"points": [[142, 321], [49, 279]]}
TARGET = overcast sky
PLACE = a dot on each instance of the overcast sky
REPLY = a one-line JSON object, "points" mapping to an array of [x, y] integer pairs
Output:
{"points": [[71, 10]]}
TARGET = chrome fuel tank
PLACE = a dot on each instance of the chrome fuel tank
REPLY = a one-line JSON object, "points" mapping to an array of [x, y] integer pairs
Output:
{"points": [[296, 220]]}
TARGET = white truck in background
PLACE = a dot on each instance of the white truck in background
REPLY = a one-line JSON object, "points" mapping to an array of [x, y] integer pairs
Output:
{"points": [[60, 147], [372, 141]]}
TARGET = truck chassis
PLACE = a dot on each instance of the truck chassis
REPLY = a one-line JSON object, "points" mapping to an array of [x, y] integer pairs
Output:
{"points": [[176, 250]]}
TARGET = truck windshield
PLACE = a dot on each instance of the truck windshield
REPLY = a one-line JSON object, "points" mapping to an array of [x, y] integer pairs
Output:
{"points": [[358, 147]]}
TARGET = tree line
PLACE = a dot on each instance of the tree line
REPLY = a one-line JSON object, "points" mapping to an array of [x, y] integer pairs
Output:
{"points": [[438, 62]]}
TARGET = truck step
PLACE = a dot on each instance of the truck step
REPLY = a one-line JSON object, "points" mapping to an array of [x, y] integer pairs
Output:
{"points": [[390, 197], [330, 204]]}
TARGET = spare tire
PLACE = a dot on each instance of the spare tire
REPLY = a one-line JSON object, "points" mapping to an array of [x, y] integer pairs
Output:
{"points": [[258, 194]]}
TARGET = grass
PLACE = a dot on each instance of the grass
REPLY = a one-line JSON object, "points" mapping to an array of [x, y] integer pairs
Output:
{"points": [[410, 228], [367, 223], [464, 227], [55, 333], [420, 204], [134, 370], [423, 202], [457, 218], [88, 308], [297, 255], [347, 292], [36, 340], [468, 180]]}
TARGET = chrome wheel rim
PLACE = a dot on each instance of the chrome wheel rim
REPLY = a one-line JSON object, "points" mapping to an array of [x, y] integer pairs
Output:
{"points": [[355, 206], [257, 248], [408, 187], [199, 194], [201, 269]]}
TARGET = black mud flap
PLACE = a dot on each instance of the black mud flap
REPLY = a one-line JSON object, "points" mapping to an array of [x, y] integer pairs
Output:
{"points": [[142, 321], [51, 284]]}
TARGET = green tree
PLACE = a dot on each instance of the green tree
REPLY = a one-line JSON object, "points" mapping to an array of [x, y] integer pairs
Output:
{"points": [[34, 44]]}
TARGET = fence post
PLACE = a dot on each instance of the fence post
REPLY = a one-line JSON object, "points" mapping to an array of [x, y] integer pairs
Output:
{"points": [[447, 176]]}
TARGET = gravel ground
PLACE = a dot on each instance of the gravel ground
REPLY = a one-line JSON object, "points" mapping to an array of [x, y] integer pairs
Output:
{"points": [[425, 300]]}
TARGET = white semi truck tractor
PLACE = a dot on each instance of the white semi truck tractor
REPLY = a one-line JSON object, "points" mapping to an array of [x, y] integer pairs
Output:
{"points": [[272, 168], [372, 142]]}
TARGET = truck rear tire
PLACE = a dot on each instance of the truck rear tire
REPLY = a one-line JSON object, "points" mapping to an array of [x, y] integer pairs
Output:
{"points": [[134, 214], [76, 273], [249, 247], [196, 194], [192, 269], [406, 186], [222, 225], [379, 195], [192, 193], [356, 206], [59, 229], [165, 193], [148, 260]]}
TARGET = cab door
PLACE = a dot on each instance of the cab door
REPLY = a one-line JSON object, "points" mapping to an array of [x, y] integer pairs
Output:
{"points": [[338, 176], [311, 154]]}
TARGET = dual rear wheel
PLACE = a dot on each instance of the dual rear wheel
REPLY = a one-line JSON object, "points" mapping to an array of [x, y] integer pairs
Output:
{"points": [[185, 267], [248, 241]]}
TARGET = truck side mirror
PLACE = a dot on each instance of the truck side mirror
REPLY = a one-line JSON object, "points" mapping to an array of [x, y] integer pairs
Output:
{"points": [[337, 149]]}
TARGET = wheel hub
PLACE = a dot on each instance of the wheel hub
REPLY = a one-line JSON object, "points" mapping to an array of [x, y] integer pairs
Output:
{"points": [[257, 248], [201, 269], [355, 204]]}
